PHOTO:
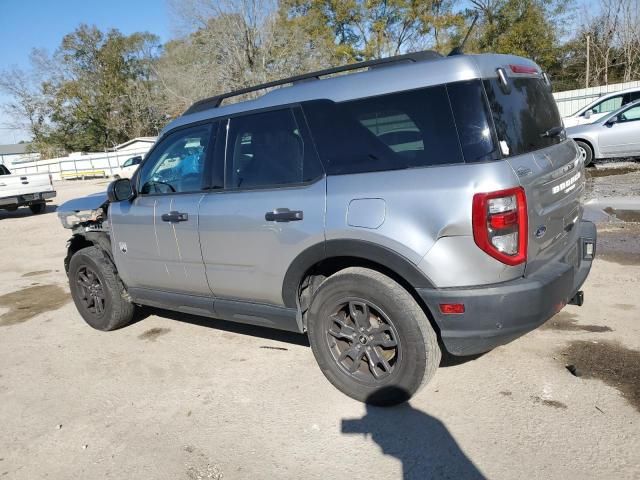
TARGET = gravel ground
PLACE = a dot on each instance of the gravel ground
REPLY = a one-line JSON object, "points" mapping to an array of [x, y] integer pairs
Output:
{"points": [[176, 397]]}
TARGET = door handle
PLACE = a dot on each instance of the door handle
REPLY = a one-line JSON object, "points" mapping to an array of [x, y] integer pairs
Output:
{"points": [[175, 217], [283, 215]]}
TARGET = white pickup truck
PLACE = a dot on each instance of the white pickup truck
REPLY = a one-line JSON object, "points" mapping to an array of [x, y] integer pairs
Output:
{"points": [[26, 190]]}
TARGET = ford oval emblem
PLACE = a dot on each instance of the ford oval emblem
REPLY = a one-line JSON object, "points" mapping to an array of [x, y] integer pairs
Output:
{"points": [[541, 231]]}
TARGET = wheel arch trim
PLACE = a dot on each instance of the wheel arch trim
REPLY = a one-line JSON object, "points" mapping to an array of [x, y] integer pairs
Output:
{"points": [[348, 248]]}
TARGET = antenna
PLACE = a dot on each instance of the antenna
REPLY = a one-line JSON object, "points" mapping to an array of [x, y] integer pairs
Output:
{"points": [[459, 49]]}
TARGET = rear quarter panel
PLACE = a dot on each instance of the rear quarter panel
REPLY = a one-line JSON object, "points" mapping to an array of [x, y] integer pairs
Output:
{"points": [[427, 217]]}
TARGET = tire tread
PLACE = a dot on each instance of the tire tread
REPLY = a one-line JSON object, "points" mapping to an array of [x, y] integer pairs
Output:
{"points": [[122, 310]]}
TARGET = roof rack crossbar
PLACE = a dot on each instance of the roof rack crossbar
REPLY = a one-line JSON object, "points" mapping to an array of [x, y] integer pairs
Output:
{"points": [[215, 101]]}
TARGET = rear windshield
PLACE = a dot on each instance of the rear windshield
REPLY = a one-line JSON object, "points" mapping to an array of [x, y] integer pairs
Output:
{"points": [[524, 114], [440, 125]]}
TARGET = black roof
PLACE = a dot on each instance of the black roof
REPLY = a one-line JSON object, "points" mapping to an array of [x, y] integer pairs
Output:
{"points": [[214, 102]]}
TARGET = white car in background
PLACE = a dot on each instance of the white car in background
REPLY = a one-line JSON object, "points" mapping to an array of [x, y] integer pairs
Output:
{"points": [[25, 190], [602, 106], [128, 168], [616, 135]]}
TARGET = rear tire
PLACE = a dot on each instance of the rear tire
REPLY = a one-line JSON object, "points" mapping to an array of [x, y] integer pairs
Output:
{"points": [[37, 208], [370, 337], [97, 291], [586, 152]]}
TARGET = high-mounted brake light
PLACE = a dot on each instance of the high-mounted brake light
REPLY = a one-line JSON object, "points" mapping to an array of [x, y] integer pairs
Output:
{"points": [[500, 224], [523, 69]]}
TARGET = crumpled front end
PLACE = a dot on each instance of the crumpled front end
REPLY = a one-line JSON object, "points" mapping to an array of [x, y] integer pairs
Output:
{"points": [[79, 211]]}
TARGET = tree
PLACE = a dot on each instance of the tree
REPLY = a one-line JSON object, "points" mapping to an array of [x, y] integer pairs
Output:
{"points": [[27, 107], [365, 29], [94, 92], [232, 44], [529, 28]]}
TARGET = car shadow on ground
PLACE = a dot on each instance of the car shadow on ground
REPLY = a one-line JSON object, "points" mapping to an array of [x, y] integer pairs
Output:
{"points": [[447, 360], [233, 327], [23, 212], [421, 442]]}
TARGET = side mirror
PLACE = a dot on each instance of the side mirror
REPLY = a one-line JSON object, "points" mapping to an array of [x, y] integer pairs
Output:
{"points": [[612, 121], [120, 190], [587, 114]]}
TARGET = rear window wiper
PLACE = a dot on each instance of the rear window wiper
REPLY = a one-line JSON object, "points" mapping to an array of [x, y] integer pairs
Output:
{"points": [[552, 132]]}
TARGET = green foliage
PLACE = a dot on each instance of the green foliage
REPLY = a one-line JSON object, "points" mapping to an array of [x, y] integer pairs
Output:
{"points": [[101, 88], [529, 28], [356, 30], [97, 90], [94, 105]]}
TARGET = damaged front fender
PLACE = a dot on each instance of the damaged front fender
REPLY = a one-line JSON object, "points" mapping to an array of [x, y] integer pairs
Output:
{"points": [[82, 210]]}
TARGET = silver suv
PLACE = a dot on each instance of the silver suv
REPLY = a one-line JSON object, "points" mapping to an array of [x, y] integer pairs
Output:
{"points": [[419, 204]]}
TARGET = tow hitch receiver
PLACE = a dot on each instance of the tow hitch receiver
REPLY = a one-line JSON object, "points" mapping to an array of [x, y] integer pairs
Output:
{"points": [[578, 299]]}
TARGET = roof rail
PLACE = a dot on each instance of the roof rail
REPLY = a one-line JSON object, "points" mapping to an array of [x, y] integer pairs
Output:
{"points": [[214, 102]]}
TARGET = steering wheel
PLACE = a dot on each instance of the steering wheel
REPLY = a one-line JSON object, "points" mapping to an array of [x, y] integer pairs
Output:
{"points": [[153, 183]]}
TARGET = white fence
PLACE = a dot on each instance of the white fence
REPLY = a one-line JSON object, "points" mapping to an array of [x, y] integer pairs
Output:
{"points": [[571, 101], [107, 162]]}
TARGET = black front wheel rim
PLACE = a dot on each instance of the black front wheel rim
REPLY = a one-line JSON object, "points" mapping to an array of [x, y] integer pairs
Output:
{"points": [[90, 291], [363, 341]]}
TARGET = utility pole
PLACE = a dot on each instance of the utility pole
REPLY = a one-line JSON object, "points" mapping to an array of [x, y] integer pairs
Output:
{"points": [[587, 77]]}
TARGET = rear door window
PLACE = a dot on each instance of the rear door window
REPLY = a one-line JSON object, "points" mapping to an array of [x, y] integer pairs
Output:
{"points": [[269, 149], [387, 132], [524, 114]]}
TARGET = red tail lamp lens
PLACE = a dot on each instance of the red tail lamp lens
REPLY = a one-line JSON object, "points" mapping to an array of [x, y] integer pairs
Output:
{"points": [[452, 308], [523, 69], [500, 224]]}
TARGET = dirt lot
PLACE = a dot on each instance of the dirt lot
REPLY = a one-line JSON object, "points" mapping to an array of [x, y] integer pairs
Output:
{"points": [[174, 397]]}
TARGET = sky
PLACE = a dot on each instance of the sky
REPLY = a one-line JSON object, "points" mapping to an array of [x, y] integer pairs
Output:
{"points": [[28, 24]]}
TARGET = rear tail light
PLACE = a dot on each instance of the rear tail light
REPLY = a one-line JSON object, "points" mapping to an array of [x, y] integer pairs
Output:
{"points": [[500, 224]]}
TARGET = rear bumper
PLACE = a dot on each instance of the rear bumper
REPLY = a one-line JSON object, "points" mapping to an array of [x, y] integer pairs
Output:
{"points": [[28, 199], [499, 313]]}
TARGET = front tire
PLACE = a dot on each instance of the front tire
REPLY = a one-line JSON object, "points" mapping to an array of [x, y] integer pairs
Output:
{"points": [[586, 152], [370, 337], [97, 290]]}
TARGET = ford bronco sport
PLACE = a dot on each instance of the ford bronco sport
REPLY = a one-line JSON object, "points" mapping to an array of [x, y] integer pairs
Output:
{"points": [[418, 204]]}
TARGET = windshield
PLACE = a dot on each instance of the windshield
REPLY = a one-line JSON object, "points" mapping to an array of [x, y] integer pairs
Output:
{"points": [[525, 115], [4, 170]]}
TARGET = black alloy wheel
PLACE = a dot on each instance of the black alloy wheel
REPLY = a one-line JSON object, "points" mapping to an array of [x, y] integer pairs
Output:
{"points": [[363, 341], [91, 291]]}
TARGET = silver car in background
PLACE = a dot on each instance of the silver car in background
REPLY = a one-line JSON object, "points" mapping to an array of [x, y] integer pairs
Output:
{"points": [[612, 136]]}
